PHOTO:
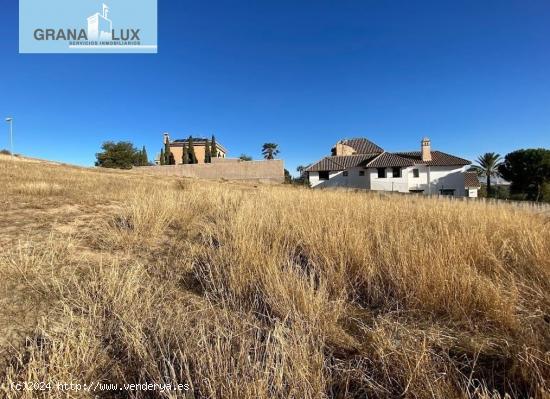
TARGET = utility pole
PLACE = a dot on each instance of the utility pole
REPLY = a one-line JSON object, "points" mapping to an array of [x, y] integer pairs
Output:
{"points": [[10, 121]]}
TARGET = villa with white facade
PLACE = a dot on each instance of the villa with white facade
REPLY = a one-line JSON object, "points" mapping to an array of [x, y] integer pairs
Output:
{"points": [[359, 163]]}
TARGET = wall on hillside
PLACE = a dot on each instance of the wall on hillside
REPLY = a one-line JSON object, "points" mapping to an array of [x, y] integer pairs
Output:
{"points": [[269, 171]]}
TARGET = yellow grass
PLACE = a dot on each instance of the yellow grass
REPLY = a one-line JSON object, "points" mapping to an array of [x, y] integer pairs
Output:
{"points": [[244, 291]]}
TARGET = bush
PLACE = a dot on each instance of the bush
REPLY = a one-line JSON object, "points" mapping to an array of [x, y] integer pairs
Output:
{"points": [[121, 155]]}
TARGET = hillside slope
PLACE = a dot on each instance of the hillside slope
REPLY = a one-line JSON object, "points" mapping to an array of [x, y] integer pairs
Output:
{"points": [[243, 291]]}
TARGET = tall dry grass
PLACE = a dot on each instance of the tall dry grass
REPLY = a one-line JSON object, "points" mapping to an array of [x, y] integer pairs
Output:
{"points": [[264, 292]]}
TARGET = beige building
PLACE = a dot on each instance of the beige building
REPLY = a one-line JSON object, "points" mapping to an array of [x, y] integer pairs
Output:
{"points": [[199, 146]]}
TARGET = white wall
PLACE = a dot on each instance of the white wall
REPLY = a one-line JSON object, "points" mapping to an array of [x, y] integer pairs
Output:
{"points": [[337, 179], [448, 177], [440, 177], [389, 183]]}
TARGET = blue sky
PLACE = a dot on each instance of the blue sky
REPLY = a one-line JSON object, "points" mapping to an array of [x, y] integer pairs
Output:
{"points": [[474, 76]]}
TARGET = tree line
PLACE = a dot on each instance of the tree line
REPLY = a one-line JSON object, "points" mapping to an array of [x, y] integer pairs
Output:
{"points": [[121, 155], [188, 154], [527, 170], [124, 155]]}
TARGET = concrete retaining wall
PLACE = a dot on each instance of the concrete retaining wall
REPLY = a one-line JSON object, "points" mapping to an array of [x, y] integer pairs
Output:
{"points": [[271, 171]]}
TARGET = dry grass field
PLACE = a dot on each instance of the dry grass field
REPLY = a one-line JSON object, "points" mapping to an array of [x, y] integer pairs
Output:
{"points": [[244, 291]]}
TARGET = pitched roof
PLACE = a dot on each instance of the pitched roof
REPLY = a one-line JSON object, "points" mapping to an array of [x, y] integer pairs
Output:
{"points": [[341, 162], [362, 146], [389, 160], [471, 179], [438, 158], [370, 155], [324, 164]]}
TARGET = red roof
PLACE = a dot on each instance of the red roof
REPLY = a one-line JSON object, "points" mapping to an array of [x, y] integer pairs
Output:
{"points": [[471, 180], [362, 146], [372, 156], [389, 160], [438, 158], [341, 162]]}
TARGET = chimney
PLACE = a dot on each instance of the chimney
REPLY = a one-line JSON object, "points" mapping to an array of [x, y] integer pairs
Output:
{"points": [[166, 139], [426, 149], [342, 149]]}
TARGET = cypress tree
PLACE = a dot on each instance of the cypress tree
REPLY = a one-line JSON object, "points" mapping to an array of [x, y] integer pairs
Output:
{"points": [[213, 149], [138, 158], [185, 156], [167, 153], [144, 157], [171, 159], [162, 159], [191, 151], [207, 154]]}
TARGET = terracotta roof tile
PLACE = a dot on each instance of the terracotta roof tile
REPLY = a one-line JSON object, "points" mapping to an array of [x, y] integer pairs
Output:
{"points": [[341, 162], [471, 180], [389, 160], [363, 146], [438, 158], [371, 155]]}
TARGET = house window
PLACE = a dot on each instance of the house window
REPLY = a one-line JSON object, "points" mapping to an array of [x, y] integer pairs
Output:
{"points": [[361, 173], [396, 172], [381, 173], [323, 175], [345, 173], [416, 173], [447, 191]]}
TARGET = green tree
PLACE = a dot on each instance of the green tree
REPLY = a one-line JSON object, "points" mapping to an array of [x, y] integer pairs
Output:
{"points": [[144, 157], [487, 166], [171, 159], [121, 155], [162, 158], [303, 179], [167, 153], [185, 156], [288, 177], [270, 150], [213, 149], [245, 157], [207, 154], [528, 171], [191, 150]]}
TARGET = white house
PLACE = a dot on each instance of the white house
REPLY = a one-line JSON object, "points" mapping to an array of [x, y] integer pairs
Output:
{"points": [[359, 163]]}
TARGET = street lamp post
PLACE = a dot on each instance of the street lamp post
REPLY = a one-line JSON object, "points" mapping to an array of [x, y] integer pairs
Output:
{"points": [[10, 121]]}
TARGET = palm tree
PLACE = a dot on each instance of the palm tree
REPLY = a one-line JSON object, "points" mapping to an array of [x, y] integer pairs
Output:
{"points": [[270, 150], [487, 166]]}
